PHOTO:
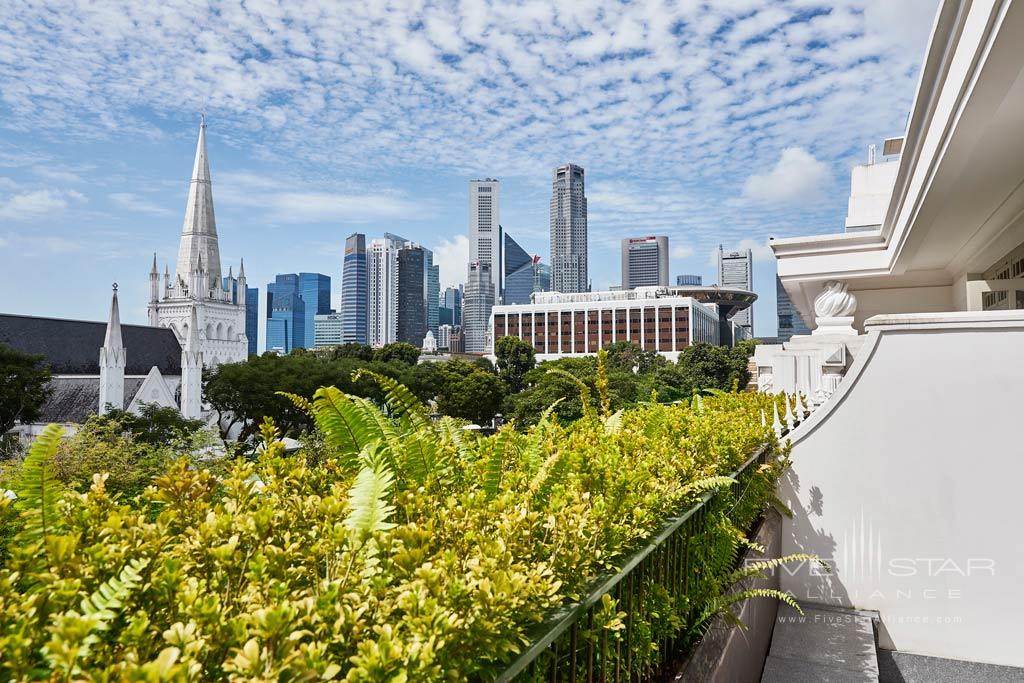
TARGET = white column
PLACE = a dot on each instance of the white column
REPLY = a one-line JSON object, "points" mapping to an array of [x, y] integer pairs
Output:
{"points": [[674, 347], [586, 331], [546, 344], [615, 322], [643, 326], [657, 328], [572, 331], [600, 330]]}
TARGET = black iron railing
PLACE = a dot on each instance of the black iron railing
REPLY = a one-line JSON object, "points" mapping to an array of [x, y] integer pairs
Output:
{"points": [[573, 645]]}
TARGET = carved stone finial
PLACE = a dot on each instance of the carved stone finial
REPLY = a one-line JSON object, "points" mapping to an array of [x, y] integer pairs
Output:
{"points": [[834, 301], [115, 286]]}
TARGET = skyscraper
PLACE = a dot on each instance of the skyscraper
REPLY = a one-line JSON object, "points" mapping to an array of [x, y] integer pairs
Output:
{"points": [[689, 280], [645, 262], [354, 290], [736, 270], [485, 231], [328, 329], [432, 289], [286, 311], [524, 274], [315, 290], [382, 279], [568, 230], [790, 321], [411, 323], [252, 317], [450, 311], [476, 308]]}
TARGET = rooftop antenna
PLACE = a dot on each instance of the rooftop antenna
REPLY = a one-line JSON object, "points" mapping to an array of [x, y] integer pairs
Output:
{"points": [[871, 154]]}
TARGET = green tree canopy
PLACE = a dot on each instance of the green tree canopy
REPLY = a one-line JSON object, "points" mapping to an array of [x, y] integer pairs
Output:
{"points": [[23, 390], [397, 351], [476, 396], [515, 358]]}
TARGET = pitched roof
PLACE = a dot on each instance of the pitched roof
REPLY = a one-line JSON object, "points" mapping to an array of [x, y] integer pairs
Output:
{"points": [[73, 399], [72, 347]]}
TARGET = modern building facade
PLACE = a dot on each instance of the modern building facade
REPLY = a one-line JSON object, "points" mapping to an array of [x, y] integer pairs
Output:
{"points": [[477, 306], [431, 290], [485, 232], [645, 262], [689, 280], [444, 334], [790, 321], [450, 306], [252, 318], [736, 271], [315, 290], [568, 227], [524, 274], [328, 330], [657, 319], [197, 285], [382, 306], [354, 290], [411, 323], [286, 315]]}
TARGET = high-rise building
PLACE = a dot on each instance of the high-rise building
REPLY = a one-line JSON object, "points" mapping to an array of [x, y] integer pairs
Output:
{"points": [[689, 280], [736, 270], [315, 290], [411, 323], [568, 230], [252, 317], [451, 306], [328, 329], [645, 262], [354, 290], [790, 321], [286, 314], [485, 231], [477, 306], [432, 289], [382, 280], [524, 274], [197, 291]]}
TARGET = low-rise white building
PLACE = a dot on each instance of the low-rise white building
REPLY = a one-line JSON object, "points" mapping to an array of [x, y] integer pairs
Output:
{"points": [[908, 469], [661, 319]]}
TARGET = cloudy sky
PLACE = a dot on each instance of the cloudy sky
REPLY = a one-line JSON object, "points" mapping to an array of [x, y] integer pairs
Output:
{"points": [[711, 122]]}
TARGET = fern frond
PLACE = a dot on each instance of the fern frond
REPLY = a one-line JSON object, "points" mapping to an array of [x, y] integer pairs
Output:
{"points": [[602, 383], [301, 403], [107, 600], [722, 603], [613, 423], [368, 498], [37, 489], [588, 410], [551, 474], [535, 441], [504, 444], [400, 401], [707, 484], [346, 427], [450, 432], [758, 567]]}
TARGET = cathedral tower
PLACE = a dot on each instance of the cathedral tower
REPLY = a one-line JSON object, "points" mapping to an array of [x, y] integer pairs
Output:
{"points": [[112, 362]]}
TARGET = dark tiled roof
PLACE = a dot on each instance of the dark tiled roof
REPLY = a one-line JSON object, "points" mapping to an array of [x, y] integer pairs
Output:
{"points": [[73, 399], [72, 347]]}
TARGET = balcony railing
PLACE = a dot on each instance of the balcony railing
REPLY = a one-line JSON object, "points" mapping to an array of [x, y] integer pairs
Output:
{"points": [[574, 645]]}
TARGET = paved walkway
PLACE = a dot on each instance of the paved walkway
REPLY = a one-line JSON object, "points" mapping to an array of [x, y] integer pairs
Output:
{"points": [[826, 645]]}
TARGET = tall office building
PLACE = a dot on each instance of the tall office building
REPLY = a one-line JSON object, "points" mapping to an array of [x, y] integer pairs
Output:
{"points": [[477, 306], [328, 330], [645, 262], [790, 321], [411, 323], [431, 290], [736, 270], [382, 281], [252, 317], [354, 290], [485, 231], [315, 290], [450, 306], [524, 274], [568, 230], [689, 280]]}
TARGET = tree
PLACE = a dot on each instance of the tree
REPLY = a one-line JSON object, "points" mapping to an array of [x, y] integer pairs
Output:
{"points": [[543, 389], [627, 356], [154, 424], [515, 358], [353, 350], [705, 366], [397, 351], [476, 397], [23, 390]]}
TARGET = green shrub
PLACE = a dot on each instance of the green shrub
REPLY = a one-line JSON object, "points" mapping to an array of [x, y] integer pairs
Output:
{"points": [[410, 551]]}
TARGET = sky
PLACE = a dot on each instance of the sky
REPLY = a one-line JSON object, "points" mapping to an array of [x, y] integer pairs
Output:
{"points": [[721, 122]]}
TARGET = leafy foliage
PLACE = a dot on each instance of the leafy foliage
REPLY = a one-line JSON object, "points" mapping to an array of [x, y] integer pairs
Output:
{"points": [[514, 358], [23, 387], [408, 549]]}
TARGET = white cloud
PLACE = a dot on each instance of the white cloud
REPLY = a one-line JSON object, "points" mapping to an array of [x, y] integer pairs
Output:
{"points": [[37, 203], [452, 256], [133, 202], [682, 251], [796, 178]]}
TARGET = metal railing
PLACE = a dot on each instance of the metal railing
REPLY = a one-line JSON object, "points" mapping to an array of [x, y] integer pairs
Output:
{"points": [[567, 647]]}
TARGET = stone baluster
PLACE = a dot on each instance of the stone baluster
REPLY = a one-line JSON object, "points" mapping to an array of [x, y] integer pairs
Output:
{"points": [[776, 424]]}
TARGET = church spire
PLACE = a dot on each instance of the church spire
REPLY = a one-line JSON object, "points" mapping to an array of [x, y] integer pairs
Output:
{"points": [[199, 229], [112, 362]]}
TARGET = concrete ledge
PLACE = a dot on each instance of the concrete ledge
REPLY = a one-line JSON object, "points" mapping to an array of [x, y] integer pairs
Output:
{"points": [[727, 652]]}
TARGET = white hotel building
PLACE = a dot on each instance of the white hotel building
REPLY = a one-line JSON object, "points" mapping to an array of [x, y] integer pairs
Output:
{"points": [[662, 319]]}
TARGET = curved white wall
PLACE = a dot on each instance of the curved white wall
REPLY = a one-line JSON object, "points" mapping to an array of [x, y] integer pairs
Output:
{"points": [[910, 481]]}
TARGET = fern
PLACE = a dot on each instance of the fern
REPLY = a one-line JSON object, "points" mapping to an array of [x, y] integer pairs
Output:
{"points": [[588, 410], [107, 600], [602, 383], [37, 490], [552, 473], [368, 498], [400, 401], [504, 444], [759, 567], [707, 484], [345, 425], [722, 603]]}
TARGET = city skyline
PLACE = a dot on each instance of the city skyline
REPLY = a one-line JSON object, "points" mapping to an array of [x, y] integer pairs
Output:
{"points": [[90, 182]]}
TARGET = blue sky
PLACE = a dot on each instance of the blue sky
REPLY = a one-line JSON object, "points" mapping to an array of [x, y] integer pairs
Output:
{"points": [[719, 122]]}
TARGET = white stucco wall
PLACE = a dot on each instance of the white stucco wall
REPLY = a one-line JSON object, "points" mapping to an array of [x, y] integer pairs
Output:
{"points": [[872, 302], [909, 482]]}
